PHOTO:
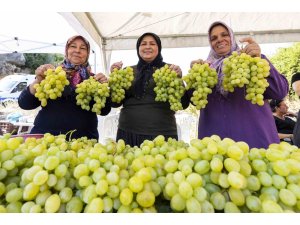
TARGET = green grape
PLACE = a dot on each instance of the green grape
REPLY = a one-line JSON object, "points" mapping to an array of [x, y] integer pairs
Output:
{"points": [[42, 197], [279, 182], [202, 79], [259, 165], [242, 69], [236, 196], [27, 206], [40, 177], [178, 203], [230, 207], [95, 206], [126, 196], [287, 197], [217, 200], [265, 179], [75, 205], [193, 206], [237, 180], [216, 165], [253, 203], [253, 183], [195, 180], [107, 204], [202, 167], [52, 86], [269, 206], [120, 81], [30, 191], [169, 87], [207, 207], [90, 89], [14, 195], [81, 170], [231, 165]]}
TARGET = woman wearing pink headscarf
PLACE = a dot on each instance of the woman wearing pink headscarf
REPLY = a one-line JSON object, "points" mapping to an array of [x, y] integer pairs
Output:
{"points": [[230, 114], [62, 115]]}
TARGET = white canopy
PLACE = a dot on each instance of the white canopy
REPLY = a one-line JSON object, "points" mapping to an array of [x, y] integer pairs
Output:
{"points": [[119, 31]]}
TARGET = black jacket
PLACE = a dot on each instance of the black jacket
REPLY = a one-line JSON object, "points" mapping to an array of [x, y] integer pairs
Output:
{"points": [[62, 115]]}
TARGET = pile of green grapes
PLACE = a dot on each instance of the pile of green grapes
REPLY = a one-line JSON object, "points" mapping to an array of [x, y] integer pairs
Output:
{"points": [[119, 82], [52, 86], [202, 79], [242, 69], [90, 89], [52, 175], [169, 87]]}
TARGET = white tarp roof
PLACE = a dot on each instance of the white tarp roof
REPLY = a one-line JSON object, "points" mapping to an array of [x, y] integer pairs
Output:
{"points": [[120, 30]]}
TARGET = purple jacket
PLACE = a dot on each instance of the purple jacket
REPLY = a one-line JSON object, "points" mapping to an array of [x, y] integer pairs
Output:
{"points": [[235, 117]]}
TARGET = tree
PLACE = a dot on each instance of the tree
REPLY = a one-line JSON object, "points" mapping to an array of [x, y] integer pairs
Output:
{"points": [[34, 60], [287, 61]]}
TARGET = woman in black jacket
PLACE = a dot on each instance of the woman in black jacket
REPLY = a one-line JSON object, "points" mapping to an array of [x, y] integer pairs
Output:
{"points": [[143, 118], [62, 115]]}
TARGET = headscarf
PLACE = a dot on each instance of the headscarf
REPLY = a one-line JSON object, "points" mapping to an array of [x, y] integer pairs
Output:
{"points": [[295, 77], [144, 69], [76, 73], [215, 60], [275, 103]]}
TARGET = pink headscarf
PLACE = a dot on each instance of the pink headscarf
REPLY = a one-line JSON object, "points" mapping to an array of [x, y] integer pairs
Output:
{"points": [[215, 60]]}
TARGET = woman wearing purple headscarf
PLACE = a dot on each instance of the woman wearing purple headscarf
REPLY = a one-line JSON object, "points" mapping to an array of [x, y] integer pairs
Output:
{"points": [[62, 115], [230, 114]]}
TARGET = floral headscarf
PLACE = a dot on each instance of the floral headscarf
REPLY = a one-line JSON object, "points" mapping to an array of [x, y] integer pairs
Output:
{"points": [[76, 73], [215, 60]]}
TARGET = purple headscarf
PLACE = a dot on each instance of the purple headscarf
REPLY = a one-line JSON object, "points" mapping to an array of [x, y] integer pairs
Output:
{"points": [[215, 60]]}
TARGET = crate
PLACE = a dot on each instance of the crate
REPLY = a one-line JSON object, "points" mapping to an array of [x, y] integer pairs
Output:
{"points": [[7, 127]]}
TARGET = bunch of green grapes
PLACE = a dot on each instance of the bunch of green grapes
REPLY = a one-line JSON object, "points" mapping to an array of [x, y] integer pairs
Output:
{"points": [[260, 70], [90, 89], [52, 86], [120, 81], [236, 69], [202, 79], [52, 175], [169, 87], [242, 69]]}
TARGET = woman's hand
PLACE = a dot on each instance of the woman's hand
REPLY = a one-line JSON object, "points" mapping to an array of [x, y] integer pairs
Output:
{"points": [[197, 61], [101, 78], [40, 72], [40, 75], [117, 65], [252, 48], [176, 69]]}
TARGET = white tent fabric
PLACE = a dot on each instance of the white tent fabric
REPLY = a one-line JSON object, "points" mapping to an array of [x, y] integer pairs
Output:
{"points": [[120, 30]]}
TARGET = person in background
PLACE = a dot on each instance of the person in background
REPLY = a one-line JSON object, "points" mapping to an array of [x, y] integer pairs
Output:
{"points": [[230, 114], [296, 87], [143, 118], [284, 124], [62, 115]]}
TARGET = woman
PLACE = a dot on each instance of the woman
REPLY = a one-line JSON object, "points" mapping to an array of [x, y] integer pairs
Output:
{"points": [[142, 118], [284, 124], [295, 81], [63, 114], [230, 114]]}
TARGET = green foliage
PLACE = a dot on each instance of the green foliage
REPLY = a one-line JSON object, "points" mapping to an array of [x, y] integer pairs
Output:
{"points": [[287, 61], [34, 60]]}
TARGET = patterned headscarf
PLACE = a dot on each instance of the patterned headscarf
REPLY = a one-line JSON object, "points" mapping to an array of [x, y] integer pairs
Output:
{"points": [[76, 73], [215, 60], [144, 69]]}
